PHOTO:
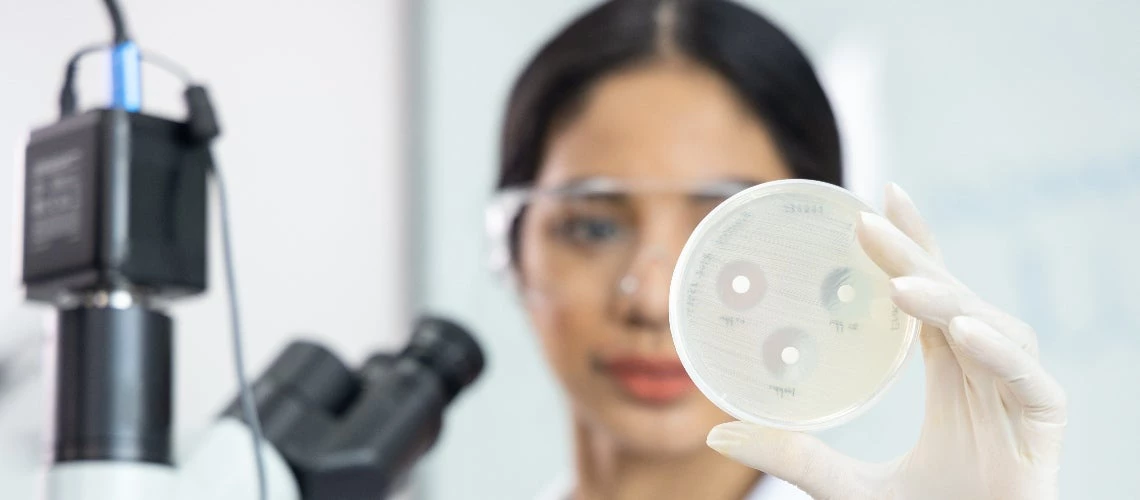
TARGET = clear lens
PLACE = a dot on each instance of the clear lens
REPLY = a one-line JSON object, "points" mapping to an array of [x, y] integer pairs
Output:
{"points": [[572, 248], [577, 242]]}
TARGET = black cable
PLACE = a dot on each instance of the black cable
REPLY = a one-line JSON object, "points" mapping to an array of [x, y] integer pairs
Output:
{"points": [[246, 393], [117, 22], [67, 92]]}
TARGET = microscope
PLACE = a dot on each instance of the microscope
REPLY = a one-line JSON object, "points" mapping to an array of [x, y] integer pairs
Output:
{"points": [[114, 231]]}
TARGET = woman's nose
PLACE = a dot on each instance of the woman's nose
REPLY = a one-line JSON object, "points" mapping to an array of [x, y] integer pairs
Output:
{"points": [[645, 288]]}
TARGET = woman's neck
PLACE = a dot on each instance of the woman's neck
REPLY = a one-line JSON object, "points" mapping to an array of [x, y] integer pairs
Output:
{"points": [[606, 471]]}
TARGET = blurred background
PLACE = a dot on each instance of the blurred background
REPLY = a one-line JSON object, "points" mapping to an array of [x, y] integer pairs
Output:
{"points": [[315, 149], [360, 145]]}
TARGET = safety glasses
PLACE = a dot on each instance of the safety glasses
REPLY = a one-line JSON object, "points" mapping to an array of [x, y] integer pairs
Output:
{"points": [[583, 237]]}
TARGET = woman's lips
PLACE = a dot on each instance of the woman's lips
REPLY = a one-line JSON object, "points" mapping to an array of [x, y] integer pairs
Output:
{"points": [[649, 381]]}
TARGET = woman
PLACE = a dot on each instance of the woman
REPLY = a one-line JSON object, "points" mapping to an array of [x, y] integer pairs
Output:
{"points": [[621, 134]]}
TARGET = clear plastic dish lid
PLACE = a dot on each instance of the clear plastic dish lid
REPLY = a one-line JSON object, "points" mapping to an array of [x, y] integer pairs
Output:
{"points": [[779, 316]]}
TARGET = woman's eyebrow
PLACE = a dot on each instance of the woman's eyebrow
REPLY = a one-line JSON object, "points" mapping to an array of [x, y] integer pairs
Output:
{"points": [[577, 184], [590, 187], [600, 187], [724, 188]]}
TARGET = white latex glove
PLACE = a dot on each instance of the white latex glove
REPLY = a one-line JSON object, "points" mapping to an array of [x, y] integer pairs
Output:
{"points": [[994, 418]]}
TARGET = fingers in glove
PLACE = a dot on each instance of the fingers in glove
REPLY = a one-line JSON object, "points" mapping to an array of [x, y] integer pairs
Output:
{"points": [[1040, 396], [894, 252], [901, 211], [925, 299], [797, 458], [936, 303]]}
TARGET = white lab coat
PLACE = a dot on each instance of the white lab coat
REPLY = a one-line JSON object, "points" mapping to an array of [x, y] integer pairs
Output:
{"points": [[769, 488]]}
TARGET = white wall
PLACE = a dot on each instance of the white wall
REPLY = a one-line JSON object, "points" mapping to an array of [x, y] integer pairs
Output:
{"points": [[1014, 124], [311, 98]]}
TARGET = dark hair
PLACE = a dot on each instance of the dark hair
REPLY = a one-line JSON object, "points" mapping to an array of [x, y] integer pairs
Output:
{"points": [[758, 60]]}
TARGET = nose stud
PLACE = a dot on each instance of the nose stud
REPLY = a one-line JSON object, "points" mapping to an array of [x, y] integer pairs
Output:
{"points": [[629, 285]]}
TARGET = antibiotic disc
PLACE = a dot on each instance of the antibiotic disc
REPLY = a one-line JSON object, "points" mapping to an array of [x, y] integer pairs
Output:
{"points": [[779, 316]]}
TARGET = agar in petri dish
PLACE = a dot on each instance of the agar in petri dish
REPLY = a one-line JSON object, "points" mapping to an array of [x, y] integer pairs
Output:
{"points": [[778, 315]]}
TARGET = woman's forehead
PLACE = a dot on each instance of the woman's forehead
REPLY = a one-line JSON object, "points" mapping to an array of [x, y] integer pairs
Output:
{"points": [[661, 123], [695, 164]]}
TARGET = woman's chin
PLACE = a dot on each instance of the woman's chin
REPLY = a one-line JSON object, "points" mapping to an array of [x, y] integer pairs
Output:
{"points": [[663, 431]]}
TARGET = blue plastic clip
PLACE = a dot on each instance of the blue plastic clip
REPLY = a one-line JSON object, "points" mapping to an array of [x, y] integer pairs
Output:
{"points": [[126, 77]]}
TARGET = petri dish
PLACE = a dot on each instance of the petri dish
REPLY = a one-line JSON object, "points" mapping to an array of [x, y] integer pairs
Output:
{"points": [[778, 315]]}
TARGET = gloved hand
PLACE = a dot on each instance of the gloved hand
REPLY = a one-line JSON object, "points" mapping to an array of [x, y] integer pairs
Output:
{"points": [[994, 418]]}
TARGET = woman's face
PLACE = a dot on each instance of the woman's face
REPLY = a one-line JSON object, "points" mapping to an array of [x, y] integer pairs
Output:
{"points": [[595, 270]]}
